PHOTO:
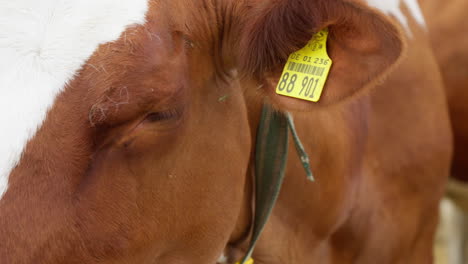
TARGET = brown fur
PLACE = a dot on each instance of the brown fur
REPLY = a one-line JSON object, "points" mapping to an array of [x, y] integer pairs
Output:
{"points": [[447, 27], [141, 161], [448, 30]]}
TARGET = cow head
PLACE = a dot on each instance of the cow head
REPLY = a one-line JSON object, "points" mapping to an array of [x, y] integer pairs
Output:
{"points": [[125, 134], [139, 158]]}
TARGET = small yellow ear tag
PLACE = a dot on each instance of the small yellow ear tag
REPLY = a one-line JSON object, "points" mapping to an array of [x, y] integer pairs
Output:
{"points": [[306, 71], [250, 261]]}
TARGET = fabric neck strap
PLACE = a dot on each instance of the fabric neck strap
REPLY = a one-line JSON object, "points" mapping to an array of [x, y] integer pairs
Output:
{"points": [[271, 155]]}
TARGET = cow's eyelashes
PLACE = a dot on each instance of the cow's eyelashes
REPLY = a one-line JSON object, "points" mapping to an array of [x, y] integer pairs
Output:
{"points": [[162, 116]]}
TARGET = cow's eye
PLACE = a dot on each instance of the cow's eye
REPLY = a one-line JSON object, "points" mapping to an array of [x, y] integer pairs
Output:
{"points": [[162, 116]]}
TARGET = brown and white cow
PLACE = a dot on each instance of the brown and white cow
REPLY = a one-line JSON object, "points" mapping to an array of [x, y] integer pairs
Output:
{"points": [[126, 135]]}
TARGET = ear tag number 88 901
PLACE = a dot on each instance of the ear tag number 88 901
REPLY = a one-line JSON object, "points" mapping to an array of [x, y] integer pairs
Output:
{"points": [[306, 71]]}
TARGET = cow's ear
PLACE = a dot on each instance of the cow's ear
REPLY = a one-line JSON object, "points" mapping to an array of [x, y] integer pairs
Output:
{"points": [[363, 44]]}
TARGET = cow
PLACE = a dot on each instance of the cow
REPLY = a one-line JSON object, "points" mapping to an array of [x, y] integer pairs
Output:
{"points": [[128, 132], [446, 29], [377, 193], [448, 34]]}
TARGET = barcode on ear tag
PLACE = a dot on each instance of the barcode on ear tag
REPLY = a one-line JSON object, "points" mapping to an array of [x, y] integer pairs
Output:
{"points": [[306, 70]]}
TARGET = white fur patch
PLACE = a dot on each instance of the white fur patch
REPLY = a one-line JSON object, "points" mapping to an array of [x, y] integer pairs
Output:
{"points": [[43, 43], [393, 7]]}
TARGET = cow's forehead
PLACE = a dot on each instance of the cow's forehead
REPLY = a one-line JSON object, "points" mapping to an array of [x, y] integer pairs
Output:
{"points": [[42, 46], [393, 7]]}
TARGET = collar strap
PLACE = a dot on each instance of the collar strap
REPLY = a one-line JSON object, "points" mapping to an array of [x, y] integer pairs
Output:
{"points": [[271, 154]]}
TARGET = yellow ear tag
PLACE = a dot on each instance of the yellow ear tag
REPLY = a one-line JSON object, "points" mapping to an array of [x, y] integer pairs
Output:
{"points": [[306, 71], [250, 261]]}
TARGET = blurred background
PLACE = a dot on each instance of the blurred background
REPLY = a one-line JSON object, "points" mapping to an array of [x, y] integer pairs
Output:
{"points": [[451, 245]]}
